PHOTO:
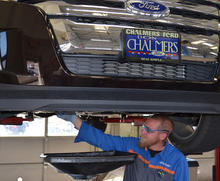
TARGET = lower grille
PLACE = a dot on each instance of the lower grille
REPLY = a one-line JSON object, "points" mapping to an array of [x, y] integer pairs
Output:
{"points": [[100, 67]]}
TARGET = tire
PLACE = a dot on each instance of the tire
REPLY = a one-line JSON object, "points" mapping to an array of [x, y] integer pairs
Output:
{"points": [[202, 135]]}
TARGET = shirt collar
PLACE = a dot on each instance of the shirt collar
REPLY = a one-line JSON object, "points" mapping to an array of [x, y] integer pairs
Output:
{"points": [[165, 151]]}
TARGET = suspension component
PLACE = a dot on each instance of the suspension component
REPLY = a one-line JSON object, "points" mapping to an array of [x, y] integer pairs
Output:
{"points": [[136, 120]]}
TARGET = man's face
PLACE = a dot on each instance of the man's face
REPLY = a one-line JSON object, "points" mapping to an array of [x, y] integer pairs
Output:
{"points": [[149, 139]]}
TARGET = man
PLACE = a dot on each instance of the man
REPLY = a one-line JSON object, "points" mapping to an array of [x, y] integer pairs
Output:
{"points": [[157, 160]]}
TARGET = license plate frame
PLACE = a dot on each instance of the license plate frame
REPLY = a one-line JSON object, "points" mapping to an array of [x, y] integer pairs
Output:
{"points": [[151, 45]]}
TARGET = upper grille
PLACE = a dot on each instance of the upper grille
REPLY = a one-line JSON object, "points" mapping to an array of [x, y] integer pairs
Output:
{"points": [[87, 30]]}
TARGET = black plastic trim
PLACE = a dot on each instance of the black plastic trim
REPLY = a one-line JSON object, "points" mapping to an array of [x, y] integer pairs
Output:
{"points": [[193, 14], [45, 98], [193, 163]]}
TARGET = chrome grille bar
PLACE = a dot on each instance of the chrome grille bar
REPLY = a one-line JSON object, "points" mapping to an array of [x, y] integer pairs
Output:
{"points": [[136, 23]]}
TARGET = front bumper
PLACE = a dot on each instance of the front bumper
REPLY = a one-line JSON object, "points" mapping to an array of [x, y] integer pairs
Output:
{"points": [[87, 99]]}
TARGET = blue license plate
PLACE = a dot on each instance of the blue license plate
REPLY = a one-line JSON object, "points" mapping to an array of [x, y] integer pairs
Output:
{"points": [[151, 45]]}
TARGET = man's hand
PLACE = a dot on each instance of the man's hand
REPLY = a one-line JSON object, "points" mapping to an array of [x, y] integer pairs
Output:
{"points": [[71, 118], [66, 117]]}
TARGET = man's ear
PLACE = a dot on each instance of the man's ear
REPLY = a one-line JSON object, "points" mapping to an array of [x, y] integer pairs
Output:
{"points": [[163, 136]]}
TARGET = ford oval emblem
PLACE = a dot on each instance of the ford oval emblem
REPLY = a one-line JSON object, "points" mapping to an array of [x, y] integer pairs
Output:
{"points": [[147, 8]]}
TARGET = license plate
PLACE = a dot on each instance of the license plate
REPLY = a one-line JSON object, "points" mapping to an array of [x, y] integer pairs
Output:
{"points": [[151, 45]]}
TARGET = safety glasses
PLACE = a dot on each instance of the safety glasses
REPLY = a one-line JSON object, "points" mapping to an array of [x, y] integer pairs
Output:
{"points": [[149, 130]]}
